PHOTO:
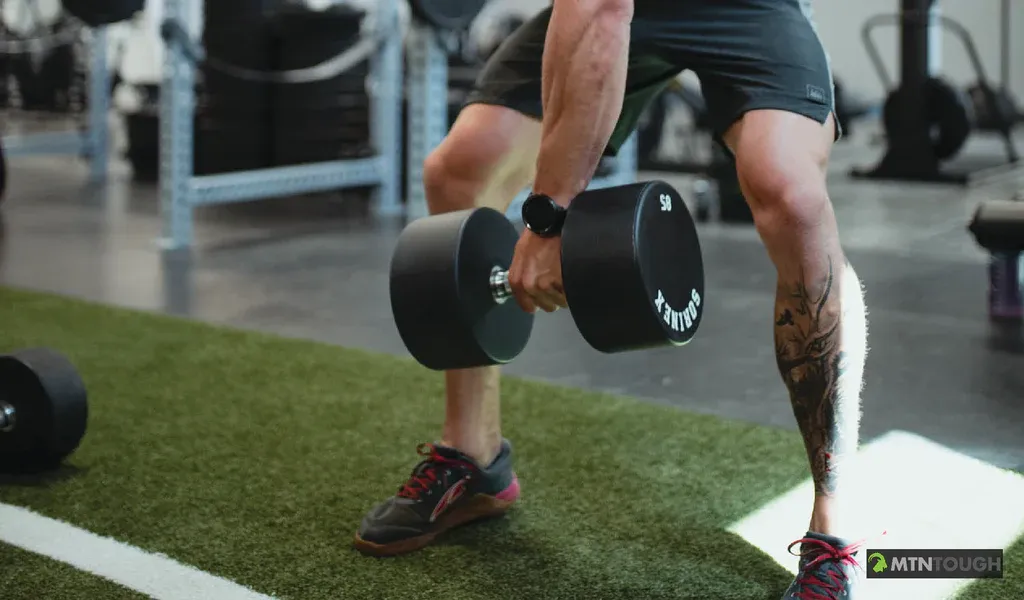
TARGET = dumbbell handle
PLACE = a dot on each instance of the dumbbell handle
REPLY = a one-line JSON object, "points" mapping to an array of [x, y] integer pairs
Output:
{"points": [[501, 289], [6, 417]]}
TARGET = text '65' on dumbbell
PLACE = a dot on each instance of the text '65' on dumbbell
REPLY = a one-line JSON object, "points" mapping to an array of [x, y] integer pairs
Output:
{"points": [[632, 272]]}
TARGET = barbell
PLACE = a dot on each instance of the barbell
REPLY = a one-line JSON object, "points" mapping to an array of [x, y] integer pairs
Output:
{"points": [[632, 272]]}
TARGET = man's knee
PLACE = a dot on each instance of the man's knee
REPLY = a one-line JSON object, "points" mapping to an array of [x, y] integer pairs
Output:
{"points": [[450, 183], [789, 199], [781, 159], [486, 158]]}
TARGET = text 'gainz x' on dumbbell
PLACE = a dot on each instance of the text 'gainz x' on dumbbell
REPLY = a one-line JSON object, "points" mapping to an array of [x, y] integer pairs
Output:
{"points": [[631, 268]]}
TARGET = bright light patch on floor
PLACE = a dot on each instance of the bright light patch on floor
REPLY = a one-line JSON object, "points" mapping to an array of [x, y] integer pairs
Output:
{"points": [[922, 494]]}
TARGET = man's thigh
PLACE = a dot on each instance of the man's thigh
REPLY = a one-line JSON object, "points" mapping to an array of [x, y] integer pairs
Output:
{"points": [[512, 76], [749, 55]]}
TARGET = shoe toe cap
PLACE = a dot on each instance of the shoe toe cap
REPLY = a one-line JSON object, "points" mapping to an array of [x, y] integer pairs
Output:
{"points": [[389, 522]]}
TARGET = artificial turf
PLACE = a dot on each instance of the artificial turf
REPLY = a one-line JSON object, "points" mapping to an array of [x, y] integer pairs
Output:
{"points": [[254, 457]]}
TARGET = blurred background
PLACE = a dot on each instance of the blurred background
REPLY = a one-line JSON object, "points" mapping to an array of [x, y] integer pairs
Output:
{"points": [[251, 163], [313, 261]]}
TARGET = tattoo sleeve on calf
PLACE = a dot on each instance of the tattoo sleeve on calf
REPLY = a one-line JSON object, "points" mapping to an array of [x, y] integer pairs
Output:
{"points": [[812, 364]]}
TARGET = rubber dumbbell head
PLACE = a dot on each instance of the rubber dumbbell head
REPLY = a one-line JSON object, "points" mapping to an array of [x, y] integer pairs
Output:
{"points": [[43, 410], [449, 291], [632, 267]]}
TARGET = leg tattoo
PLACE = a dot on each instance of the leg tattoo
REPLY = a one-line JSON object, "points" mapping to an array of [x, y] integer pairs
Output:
{"points": [[820, 353]]}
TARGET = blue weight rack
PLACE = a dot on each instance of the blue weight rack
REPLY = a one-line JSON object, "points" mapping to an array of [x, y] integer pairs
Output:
{"points": [[91, 141], [181, 191]]}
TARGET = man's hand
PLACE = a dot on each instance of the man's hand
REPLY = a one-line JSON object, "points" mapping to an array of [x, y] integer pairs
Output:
{"points": [[536, 273]]}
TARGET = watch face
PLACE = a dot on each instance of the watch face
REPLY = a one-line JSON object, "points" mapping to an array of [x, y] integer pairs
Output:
{"points": [[539, 214]]}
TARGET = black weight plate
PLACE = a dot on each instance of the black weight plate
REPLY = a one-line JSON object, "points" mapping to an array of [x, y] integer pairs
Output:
{"points": [[998, 226], [948, 111], [322, 97], [440, 293], [632, 267], [50, 405], [448, 15], [987, 101], [103, 12]]}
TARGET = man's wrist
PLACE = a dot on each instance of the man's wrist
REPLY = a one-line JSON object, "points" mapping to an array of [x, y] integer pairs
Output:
{"points": [[560, 197]]}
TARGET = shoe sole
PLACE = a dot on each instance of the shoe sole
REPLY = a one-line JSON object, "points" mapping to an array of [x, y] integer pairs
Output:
{"points": [[480, 506]]}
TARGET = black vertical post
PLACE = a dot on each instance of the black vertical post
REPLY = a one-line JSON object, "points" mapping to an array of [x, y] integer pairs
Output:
{"points": [[914, 45], [910, 155]]}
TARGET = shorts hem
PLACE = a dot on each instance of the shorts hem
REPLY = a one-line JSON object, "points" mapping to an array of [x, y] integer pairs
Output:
{"points": [[818, 113], [533, 112]]}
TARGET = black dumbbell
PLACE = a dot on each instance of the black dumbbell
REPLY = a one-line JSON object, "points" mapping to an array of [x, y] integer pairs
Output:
{"points": [[43, 410], [631, 269]]}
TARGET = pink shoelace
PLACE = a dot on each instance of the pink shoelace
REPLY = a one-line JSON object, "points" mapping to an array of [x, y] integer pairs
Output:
{"points": [[832, 581]]}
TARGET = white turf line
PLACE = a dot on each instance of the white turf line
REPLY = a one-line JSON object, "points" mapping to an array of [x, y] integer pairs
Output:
{"points": [[922, 494], [155, 575]]}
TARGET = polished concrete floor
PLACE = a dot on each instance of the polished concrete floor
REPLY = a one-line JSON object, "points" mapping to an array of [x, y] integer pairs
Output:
{"points": [[317, 268]]}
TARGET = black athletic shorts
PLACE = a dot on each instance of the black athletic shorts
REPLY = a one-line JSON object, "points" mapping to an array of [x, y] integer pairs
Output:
{"points": [[748, 54]]}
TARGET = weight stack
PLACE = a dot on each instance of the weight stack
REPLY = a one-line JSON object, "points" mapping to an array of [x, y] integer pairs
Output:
{"points": [[321, 120], [233, 116]]}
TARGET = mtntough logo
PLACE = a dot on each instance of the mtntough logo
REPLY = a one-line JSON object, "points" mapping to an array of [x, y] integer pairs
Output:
{"points": [[935, 564]]}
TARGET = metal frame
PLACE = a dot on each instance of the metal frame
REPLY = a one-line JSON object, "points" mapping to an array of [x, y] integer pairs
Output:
{"points": [[181, 191], [92, 139]]}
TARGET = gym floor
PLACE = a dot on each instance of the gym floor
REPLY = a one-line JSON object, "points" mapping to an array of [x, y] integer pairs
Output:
{"points": [[317, 268], [274, 448]]}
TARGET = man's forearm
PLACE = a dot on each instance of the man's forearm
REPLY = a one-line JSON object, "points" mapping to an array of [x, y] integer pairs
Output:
{"points": [[584, 79]]}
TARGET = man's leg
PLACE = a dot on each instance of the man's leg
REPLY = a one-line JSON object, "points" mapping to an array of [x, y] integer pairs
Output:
{"points": [[820, 322], [487, 157], [819, 319], [773, 104]]}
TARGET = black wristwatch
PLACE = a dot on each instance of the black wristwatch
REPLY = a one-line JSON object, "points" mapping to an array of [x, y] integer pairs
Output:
{"points": [[542, 215]]}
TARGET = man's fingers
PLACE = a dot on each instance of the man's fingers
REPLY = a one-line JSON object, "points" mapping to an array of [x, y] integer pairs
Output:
{"points": [[552, 291], [524, 300], [546, 304], [532, 294]]}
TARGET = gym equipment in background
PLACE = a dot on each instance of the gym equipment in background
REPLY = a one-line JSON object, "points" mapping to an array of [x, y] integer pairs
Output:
{"points": [[920, 141], [985, 96], [233, 120], [447, 15], [849, 108], [319, 120], [95, 13], [692, 132], [40, 51], [632, 271], [998, 227], [43, 410], [261, 102]]}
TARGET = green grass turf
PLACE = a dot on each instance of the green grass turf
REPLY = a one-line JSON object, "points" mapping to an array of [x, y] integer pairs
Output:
{"points": [[27, 576], [254, 457]]}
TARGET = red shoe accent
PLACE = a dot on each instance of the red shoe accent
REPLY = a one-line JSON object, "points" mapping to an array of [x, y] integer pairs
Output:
{"points": [[421, 482], [511, 493], [822, 552]]}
